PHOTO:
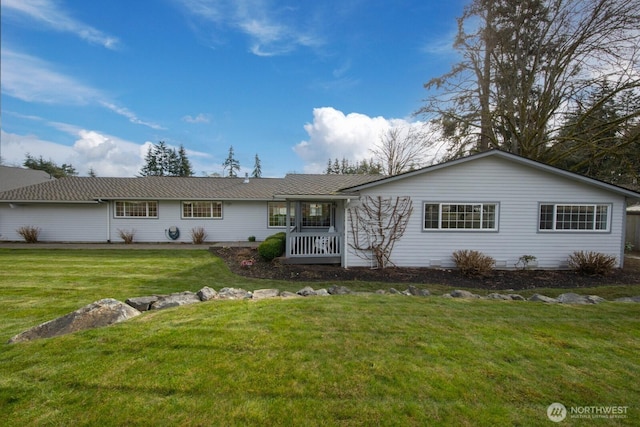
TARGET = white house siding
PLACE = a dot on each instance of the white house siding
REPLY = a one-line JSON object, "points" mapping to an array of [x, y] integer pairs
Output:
{"points": [[518, 190], [57, 222], [240, 219]]}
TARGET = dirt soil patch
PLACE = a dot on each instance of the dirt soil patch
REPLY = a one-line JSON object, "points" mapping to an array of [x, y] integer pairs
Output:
{"points": [[499, 279]]}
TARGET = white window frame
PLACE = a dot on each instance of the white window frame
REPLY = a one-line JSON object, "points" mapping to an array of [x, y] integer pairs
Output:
{"points": [[212, 211], [482, 220], [127, 207], [574, 226]]}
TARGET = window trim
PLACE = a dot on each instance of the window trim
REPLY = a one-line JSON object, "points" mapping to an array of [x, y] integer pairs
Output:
{"points": [[554, 222], [494, 229], [292, 214], [124, 209], [211, 209]]}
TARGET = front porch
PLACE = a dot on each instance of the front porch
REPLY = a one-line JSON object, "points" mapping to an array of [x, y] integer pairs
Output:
{"points": [[314, 248], [313, 231]]}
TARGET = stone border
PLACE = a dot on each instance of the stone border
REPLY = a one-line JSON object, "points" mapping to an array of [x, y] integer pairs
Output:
{"points": [[109, 311]]}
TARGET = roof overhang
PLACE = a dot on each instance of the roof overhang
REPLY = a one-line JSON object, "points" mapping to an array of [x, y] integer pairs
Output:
{"points": [[323, 197]]}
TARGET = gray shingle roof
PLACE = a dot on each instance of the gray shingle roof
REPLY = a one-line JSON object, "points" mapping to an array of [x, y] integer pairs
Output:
{"points": [[317, 185], [87, 189], [12, 177]]}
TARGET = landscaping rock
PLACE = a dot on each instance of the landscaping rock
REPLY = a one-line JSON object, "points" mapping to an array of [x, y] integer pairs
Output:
{"points": [[381, 292], [498, 296], [287, 294], [516, 297], [175, 300], [458, 293], [142, 303], [322, 293], [207, 293], [307, 291], [628, 299], [394, 291], [542, 298], [265, 293], [233, 293], [595, 299], [97, 314], [339, 290], [418, 292]]}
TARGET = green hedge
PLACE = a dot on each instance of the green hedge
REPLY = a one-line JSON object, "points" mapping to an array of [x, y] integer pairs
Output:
{"points": [[273, 246]]}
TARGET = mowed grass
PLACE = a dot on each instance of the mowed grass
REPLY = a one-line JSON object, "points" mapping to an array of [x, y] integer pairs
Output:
{"points": [[343, 360]]}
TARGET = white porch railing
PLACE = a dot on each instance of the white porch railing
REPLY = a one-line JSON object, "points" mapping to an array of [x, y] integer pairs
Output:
{"points": [[314, 244]]}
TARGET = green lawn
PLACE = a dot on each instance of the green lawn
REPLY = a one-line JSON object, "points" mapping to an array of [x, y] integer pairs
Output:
{"points": [[343, 360]]}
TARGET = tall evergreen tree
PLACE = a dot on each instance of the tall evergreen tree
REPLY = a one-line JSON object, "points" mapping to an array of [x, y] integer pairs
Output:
{"points": [[49, 166], [257, 167], [231, 163], [161, 160]]}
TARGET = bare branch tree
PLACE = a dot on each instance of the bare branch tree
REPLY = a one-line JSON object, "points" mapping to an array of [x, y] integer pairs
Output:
{"points": [[376, 225], [401, 150]]}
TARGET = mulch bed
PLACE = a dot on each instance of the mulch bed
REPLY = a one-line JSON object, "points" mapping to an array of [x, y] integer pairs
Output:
{"points": [[499, 279]]}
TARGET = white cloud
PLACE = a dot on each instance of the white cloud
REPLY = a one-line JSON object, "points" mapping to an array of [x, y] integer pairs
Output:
{"points": [[31, 79], [271, 29], [50, 14], [106, 155], [200, 118], [336, 135]]}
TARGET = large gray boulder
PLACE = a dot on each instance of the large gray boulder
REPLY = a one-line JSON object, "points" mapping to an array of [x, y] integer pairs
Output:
{"points": [[542, 298], [207, 293], [233, 293], [459, 293], [142, 303], [307, 291], [175, 300], [339, 290], [97, 314], [265, 293]]}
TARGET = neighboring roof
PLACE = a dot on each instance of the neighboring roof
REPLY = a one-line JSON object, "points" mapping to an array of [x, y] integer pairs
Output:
{"points": [[503, 155], [306, 185], [91, 189], [12, 177]]}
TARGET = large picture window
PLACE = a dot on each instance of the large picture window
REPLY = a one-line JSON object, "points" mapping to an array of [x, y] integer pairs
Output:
{"points": [[278, 214], [202, 209], [571, 217], [316, 215], [137, 209], [461, 216]]}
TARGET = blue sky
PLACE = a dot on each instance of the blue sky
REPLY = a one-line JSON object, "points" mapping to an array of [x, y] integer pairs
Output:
{"points": [[93, 83]]}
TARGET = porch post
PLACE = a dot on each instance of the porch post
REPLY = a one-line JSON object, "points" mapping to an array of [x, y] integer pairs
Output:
{"points": [[287, 244]]}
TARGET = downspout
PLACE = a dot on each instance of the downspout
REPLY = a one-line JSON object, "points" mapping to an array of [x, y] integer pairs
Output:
{"points": [[625, 205], [345, 245]]}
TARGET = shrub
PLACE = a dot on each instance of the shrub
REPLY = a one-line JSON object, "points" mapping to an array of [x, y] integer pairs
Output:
{"points": [[29, 233], [281, 236], [198, 235], [525, 261], [271, 248], [127, 235], [592, 263], [473, 263], [252, 238]]}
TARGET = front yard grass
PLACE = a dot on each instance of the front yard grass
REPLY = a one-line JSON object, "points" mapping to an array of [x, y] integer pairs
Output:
{"points": [[347, 360]]}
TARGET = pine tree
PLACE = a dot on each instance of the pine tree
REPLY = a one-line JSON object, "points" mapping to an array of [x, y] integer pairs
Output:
{"points": [[257, 168], [164, 161], [231, 163]]}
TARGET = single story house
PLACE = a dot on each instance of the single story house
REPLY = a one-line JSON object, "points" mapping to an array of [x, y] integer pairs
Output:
{"points": [[498, 203]]}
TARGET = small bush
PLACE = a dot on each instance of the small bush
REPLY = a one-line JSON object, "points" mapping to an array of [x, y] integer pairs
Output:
{"points": [[525, 261], [281, 236], [29, 233], [591, 263], [198, 235], [252, 238], [271, 248], [127, 235], [473, 263]]}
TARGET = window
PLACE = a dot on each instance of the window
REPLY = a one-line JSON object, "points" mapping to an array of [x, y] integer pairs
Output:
{"points": [[316, 214], [202, 209], [146, 209], [558, 217], [460, 216], [278, 214]]}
